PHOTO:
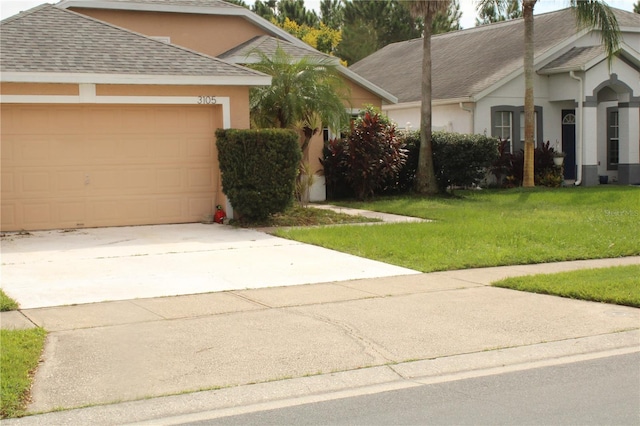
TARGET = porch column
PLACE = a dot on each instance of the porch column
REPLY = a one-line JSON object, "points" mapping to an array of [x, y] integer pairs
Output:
{"points": [[589, 145], [629, 148]]}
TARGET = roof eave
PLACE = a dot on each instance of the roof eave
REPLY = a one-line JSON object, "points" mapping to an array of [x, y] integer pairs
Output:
{"points": [[155, 7], [539, 62], [625, 51], [255, 59], [435, 102], [137, 79]]}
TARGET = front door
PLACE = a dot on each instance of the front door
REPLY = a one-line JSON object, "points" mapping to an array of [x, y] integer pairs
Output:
{"points": [[569, 142]]}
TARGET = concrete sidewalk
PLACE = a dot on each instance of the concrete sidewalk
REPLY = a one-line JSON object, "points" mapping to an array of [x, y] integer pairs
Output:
{"points": [[255, 346]]}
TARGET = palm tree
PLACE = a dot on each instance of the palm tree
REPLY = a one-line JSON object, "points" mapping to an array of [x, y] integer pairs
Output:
{"points": [[425, 181], [589, 14], [304, 95]]}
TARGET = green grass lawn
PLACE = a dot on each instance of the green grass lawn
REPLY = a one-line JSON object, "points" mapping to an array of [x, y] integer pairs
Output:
{"points": [[619, 285], [492, 228], [7, 303], [19, 355]]}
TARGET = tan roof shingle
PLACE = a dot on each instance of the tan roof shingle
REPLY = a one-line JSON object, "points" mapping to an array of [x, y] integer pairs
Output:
{"points": [[467, 62], [47, 39]]}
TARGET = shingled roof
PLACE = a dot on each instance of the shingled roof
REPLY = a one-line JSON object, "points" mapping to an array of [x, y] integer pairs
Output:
{"points": [[130, 4], [245, 53], [468, 62], [47, 39], [293, 45]]}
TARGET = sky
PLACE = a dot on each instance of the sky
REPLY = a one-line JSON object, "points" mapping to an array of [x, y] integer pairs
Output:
{"points": [[11, 7]]}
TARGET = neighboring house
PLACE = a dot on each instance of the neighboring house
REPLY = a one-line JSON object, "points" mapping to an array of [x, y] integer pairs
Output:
{"points": [[582, 107], [109, 110], [226, 31]]}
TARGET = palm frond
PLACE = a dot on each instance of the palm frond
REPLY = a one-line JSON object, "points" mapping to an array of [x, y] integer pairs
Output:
{"points": [[419, 8], [598, 15]]}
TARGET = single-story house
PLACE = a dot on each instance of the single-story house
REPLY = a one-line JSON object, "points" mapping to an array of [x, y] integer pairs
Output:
{"points": [[230, 32], [583, 107], [109, 109]]}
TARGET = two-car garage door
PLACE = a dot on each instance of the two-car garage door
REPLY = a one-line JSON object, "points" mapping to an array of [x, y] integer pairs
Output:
{"points": [[71, 166]]}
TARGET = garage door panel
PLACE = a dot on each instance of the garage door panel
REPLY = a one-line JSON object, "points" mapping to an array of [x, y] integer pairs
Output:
{"points": [[167, 148], [201, 178], [199, 121], [105, 180], [36, 214], [200, 148], [135, 121], [171, 209], [170, 179], [8, 211], [6, 148], [198, 206], [36, 182], [168, 119], [102, 120], [8, 184], [71, 181], [138, 209], [73, 166], [102, 149], [61, 120], [71, 213], [69, 150], [33, 152]]}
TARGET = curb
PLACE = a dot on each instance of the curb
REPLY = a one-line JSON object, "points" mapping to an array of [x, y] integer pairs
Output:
{"points": [[206, 405]]}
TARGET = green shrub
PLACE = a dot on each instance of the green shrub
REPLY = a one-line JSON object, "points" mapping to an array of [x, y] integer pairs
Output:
{"points": [[259, 169], [373, 154], [508, 168], [462, 160], [459, 159]]}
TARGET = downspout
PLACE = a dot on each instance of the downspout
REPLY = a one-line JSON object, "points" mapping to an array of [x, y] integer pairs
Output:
{"points": [[580, 127], [469, 110]]}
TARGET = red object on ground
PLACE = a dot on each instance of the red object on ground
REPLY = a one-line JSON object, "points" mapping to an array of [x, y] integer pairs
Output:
{"points": [[220, 215]]}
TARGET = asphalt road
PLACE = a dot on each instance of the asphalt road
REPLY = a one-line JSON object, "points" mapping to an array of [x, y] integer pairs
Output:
{"points": [[597, 392]]}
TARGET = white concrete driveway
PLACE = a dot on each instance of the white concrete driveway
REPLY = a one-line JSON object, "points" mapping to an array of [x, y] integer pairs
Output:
{"points": [[53, 268]]}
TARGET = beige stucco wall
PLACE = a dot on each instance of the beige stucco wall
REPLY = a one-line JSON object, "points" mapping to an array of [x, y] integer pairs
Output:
{"points": [[39, 89], [361, 97], [210, 34], [238, 95]]}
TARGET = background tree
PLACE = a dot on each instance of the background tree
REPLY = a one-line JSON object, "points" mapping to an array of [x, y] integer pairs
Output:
{"points": [[636, 7], [445, 22], [488, 13], [296, 11], [277, 11], [425, 182], [267, 9], [321, 37], [304, 95], [238, 2], [332, 13], [370, 25], [589, 14]]}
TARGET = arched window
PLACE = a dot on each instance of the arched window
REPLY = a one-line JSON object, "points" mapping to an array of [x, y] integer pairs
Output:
{"points": [[569, 119]]}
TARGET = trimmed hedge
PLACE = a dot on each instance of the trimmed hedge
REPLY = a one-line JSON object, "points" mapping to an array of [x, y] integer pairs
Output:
{"points": [[259, 169]]}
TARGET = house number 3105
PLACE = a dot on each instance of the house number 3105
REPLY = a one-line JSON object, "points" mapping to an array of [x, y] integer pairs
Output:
{"points": [[207, 100]]}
